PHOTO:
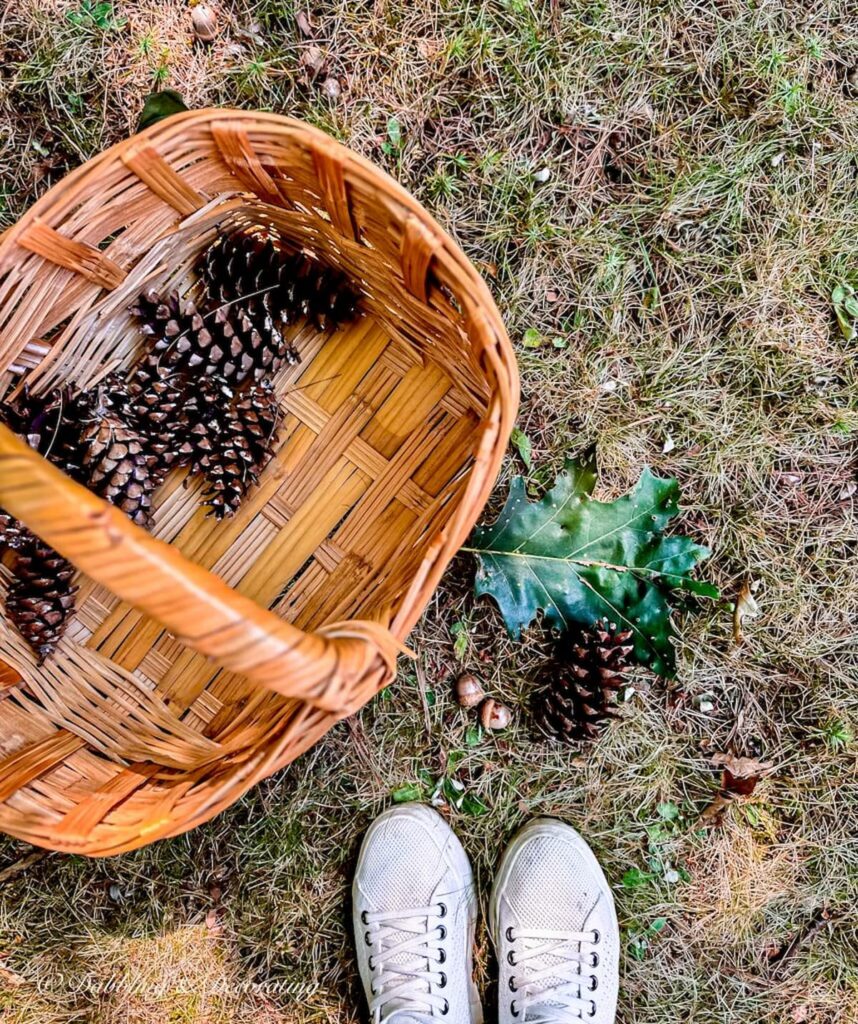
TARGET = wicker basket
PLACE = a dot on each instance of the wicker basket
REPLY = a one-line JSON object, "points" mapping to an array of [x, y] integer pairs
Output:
{"points": [[204, 657]]}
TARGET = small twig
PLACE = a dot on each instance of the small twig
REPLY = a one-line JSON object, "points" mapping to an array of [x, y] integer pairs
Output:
{"points": [[421, 684], [13, 871], [362, 748], [821, 920], [555, 17]]}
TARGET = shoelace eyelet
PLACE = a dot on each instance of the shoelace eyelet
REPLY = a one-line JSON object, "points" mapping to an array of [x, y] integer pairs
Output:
{"points": [[597, 936], [512, 985], [442, 956], [363, 917], [592, 1012], [510, 959], [594, 962], [513, 1010], [442, 932], [367, 938], [443, 908], [443, 982], [445, 1009], [594, 983], [509, 937], [371, 965]]}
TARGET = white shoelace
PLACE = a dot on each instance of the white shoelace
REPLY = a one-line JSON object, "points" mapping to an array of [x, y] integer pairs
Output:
{"points": [[555, 991], [406, 953]]}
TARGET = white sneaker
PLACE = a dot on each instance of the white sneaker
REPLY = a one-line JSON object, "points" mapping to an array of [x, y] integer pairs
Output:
{"points": [[555, 930], [414, 916]]}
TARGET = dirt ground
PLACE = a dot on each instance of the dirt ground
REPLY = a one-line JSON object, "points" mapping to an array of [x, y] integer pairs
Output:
{"points": [[662, 196]]}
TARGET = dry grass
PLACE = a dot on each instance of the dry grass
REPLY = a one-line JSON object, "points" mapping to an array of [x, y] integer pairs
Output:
{"points": [[699, 208]]}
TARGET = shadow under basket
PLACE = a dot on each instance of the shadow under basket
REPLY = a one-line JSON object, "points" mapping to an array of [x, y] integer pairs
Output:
{"points": [[204, 656]]}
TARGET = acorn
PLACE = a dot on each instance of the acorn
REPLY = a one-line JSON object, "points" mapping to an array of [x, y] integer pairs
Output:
{"points": [[469, 691], [331, 88], [204, 23], [494, 715]]}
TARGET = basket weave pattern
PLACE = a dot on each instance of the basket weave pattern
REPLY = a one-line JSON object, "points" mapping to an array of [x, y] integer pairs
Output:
{"points": [[205, 656]]}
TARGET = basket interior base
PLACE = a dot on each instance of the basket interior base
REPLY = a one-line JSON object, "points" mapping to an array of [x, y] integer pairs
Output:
{"points": [[374, 442]]}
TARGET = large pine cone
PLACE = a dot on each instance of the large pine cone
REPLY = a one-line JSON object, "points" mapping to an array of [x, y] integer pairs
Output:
{"points": [[155, 405], [229, 341], [115, 462], [232, 440], [49, 423], [578, 697], [40, 600], [254, 265]]}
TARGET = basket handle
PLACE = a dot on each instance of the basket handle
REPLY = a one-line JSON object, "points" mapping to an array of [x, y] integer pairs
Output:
{"points": [[337, 668]]}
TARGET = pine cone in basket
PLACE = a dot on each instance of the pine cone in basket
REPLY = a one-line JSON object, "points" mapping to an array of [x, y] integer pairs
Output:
{"points": [[232, 439], [12, 531], [40, 600], [253, 264], [156, 406], [228, 341], [115, 461], [578, 697], [50, 424], [206, 413]]}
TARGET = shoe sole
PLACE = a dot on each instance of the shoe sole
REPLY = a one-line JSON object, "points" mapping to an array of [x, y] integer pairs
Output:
{"points": [[545, 826], [455, 852]]}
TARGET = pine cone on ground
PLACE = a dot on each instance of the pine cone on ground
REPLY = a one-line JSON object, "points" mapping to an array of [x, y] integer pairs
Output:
{"points": [[254, 264], [578, 698], [40, 600]]}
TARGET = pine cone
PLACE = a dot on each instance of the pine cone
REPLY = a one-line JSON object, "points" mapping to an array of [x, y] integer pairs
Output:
{"points": [[40, 601], [578, 697], [115, 462], [229, 341], [155, 405], [255, 265], [207, 412], [232, 440], [50, 424], [12, 531]]}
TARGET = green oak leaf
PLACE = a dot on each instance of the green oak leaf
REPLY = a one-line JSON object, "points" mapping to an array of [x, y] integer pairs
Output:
{"points": [[579, 560], [159, 105]]}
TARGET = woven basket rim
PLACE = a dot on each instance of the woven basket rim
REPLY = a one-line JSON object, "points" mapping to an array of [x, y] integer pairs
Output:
{"points": [[176, 123]]}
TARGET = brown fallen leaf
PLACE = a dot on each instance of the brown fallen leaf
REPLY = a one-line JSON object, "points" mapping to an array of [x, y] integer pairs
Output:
{"points": [[313, 60], [251, 33], [741, 774], [305, 24], [739, 779], [10, 978], [331, 88], [746, 608]]}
